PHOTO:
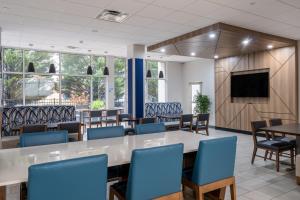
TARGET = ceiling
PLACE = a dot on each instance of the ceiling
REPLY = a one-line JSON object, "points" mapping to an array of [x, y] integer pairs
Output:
{"points": [[56, 24], [219, 41]]}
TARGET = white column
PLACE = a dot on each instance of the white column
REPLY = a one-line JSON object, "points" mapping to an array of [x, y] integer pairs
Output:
{"points": [[134, 52], [298, 78], [111, 82]]}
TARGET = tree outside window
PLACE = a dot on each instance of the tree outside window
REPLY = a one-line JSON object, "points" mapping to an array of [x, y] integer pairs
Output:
{"points": [[156, 87]]}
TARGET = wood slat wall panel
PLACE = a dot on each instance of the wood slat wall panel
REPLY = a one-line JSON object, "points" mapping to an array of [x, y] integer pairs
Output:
{"points": [[237, 113]]}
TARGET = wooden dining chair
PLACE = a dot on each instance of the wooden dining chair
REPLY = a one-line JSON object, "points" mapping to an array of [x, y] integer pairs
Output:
{"points": [[280, 136], [94, 118], [74, 179], [111, 117], [148, 120], [269, 145], [72, 128], [33, 128], [202, 123], [186, 122], [150, 176], [213, 168]]}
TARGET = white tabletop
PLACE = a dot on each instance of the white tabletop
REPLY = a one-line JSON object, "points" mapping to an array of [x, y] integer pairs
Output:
{"points": [[14, 163]]}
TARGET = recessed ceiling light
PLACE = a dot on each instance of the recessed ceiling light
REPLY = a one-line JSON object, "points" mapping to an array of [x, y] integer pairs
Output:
{"points": [[246, 41], [105, 52], [270, 46], [162, 50], [95, 31], [161, 57], [81, 41], [30, 44], [89, 50], [193, 54], [216, 57], [212, 35]]}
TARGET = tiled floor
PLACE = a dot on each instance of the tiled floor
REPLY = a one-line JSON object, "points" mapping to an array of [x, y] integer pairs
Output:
{"points": [[254, 182]]}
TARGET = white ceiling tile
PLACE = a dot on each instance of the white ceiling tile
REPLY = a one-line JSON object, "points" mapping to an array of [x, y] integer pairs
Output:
{"points": [[154, 12], [174, 4]]}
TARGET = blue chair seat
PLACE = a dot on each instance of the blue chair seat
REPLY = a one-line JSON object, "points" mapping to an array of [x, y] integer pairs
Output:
{"points": [[273, 144]]}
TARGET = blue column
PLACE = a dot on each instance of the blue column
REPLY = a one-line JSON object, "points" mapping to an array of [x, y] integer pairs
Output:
{"points": [[139, 87]]}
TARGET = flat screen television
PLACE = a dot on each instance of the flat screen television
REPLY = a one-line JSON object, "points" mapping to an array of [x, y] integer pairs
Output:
{"points": [[250, 85]]}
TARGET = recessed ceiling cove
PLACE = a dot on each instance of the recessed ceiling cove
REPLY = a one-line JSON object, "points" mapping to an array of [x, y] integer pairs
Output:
{"points": [[220, 40]]}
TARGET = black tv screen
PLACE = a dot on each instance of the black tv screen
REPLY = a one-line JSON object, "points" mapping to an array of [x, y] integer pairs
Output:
{"points": [[250, 85]]}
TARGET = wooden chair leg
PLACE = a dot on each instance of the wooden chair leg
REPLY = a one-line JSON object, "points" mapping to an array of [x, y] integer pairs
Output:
{"points": [[271, 154], [298, 180], [253, 155], [207, 133], [2, 193], [277, 161], [111, 194], [266, 155], [233, 191], [222, 193], [199, 194], [292, 158]]}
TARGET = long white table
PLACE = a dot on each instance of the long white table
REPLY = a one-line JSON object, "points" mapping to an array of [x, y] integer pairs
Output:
{"points": [[14, 163]]}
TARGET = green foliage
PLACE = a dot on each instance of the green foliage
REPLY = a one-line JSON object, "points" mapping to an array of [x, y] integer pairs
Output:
{"points": [[152, 82], [120, 67], [202, 103], [98, 104]]}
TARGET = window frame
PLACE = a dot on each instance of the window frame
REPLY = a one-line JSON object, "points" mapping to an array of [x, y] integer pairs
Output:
{"points": [[156, 79], [24, 73]]}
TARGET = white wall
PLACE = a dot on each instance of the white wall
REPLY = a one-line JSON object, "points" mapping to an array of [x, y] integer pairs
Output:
{"points": [[174, 82], [199, 71]]}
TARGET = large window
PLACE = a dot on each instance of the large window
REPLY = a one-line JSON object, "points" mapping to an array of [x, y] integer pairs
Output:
{"points": [[120, 71], [156, 87], [196, 88], [69, 85]]}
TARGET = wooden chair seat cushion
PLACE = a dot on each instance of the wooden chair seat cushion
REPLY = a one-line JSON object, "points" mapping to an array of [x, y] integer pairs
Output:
{"points": [[275, 145], [285, 139]]}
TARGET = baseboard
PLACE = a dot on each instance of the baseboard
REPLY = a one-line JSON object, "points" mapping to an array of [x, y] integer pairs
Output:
{"points": [[238, 131]]}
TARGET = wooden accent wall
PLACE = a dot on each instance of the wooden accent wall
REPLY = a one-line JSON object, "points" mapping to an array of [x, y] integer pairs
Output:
{"points": [[237, 113]]}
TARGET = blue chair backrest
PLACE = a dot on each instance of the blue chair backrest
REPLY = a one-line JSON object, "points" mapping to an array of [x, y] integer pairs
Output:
{"points": [[43, 138], [215, 160], [105, 132], [76, 179], [150, 128], [155, 172]]}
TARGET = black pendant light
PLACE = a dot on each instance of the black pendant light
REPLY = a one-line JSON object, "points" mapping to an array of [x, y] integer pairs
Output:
{"points": [[161, 74], [30, 67], [52, 69], [148, 75], [89, 70], [105, 71]]}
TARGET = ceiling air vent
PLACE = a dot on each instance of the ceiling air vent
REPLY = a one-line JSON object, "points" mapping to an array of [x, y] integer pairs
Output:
{"points": [[112, 16]]}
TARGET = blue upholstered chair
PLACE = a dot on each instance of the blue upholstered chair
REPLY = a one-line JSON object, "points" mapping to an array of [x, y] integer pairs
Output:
{"points": [[150, 128], [105, 132], [213, 168], [150, 176], [76, 179], [43, 138]]}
